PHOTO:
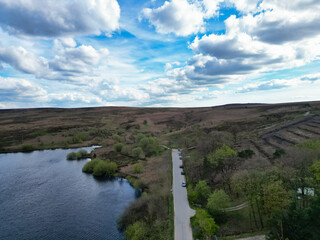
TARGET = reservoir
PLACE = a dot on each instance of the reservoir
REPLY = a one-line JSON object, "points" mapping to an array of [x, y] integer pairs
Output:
{"points": [[45, 196]]}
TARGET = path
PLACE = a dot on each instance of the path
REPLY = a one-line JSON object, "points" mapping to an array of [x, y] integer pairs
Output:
{"points": [[182, 210]]}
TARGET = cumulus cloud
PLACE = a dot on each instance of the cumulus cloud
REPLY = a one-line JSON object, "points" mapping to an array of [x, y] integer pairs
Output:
{"points": [[280, 83], [68, 64], [251, 46], [178, 17], [182, 17], [22, 60], [278, 22], [269, 85], [15, 90], [52, 18]]}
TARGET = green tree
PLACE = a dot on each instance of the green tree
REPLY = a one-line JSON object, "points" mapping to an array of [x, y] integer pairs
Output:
{"points": [[224, 161], [275, 198], [203, 191], [218, 200], [137, 231], [204, 225], [148, 145], [315, 170]]}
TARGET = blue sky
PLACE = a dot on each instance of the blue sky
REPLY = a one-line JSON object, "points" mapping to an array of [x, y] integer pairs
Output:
{"points": [[184, 53]]}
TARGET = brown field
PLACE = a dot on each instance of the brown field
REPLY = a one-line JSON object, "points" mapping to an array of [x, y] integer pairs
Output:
{"points": [[266, 126]]}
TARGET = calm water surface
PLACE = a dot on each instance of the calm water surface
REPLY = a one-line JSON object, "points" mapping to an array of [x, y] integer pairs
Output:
{"points": [[45, 196]]}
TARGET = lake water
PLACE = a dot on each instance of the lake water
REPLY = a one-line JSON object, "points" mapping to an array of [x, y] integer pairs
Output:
{"points": [[45, 196]]}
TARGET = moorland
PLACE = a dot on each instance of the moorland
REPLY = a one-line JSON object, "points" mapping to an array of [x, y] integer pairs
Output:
{"points": [[264, 158]]}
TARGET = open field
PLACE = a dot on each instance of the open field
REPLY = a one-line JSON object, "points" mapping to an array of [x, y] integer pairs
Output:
{"points": [[269, 125]]}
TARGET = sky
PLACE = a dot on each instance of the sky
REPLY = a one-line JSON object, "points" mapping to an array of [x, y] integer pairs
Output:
{"points": [[155, 53]]}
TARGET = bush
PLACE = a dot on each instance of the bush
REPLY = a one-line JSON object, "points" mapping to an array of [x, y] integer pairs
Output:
{"points": [[278, 153], [118, 147], [248, 153], [126, 150], [137, 168], [77, 155], [27, 148], [72, 156], [148, 145], [204, 225], [217, 201], [137, 152], [104, 168], [89, 166], [137, 231]]}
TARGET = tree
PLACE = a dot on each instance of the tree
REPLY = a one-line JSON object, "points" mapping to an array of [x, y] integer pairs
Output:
{"points": [[137, 231], [148, 145], [203, 190], [224, 162], [218, 200], [204, 225], [275, 198], [315, 170]]}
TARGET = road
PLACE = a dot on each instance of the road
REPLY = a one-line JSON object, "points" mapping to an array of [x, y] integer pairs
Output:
{"points": [[182, 210]]}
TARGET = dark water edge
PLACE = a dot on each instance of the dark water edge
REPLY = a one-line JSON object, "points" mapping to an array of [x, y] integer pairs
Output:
{"points": [[45, 196]]}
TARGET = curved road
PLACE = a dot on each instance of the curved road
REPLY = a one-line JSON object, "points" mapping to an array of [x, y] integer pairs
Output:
{"points": [[182, 210]]}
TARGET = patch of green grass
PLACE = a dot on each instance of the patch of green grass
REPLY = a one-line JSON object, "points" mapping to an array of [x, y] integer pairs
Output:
{"points": [[27, 148], [39, 133]]}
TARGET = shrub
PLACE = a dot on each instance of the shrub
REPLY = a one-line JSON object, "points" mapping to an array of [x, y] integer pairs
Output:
{"points": [[126, 150], [27, 148], [139, 137], [89, 166], [82, 154], [137, 168], [148, 145], [137, 152], [278, 153], [77, 155], [204, 225], [118, 147], [72, 156], [137, 231], [248, 153], [104, 168]]}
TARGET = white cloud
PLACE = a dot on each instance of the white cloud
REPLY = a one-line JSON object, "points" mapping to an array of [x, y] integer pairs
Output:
{"points": [[69, 64], [22, 60], [252, 46], [53, 18], [177, 16], [20, 90]]}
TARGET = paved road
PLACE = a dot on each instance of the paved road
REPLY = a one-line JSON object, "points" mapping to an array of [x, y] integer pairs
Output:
{"points": [[182, 210]]}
